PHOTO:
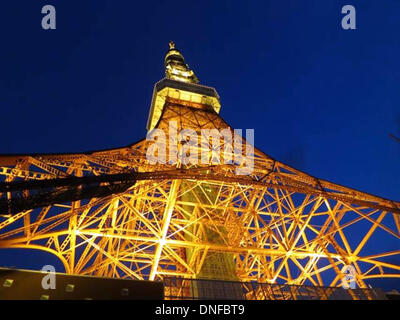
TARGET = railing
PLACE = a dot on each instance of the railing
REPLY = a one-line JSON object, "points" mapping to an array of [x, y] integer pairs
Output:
{"points": [[199, 289]]}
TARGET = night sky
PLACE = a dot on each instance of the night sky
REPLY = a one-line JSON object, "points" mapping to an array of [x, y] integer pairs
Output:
{"points": [[320, 98]]}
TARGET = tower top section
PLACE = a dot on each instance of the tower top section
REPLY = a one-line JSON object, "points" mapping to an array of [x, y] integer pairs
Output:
{"points": [[180, 86], [176, 68]]}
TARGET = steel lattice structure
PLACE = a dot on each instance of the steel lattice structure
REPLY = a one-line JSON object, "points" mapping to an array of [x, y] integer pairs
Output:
{"points": [[112, 213]]}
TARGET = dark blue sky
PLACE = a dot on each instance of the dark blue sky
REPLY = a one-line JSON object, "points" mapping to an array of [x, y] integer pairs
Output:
{"points": [[320, 98]]}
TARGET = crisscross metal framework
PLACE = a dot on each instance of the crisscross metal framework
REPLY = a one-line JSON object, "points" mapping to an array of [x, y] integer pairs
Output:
{"points": [[277, 225]]}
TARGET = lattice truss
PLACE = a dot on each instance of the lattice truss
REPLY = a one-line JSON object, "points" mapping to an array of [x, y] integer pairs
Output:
{"points": [[279, 224]]}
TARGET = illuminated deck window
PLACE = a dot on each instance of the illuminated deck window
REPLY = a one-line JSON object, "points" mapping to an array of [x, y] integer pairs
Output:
{"points": [[8, 283], [69, 288]]}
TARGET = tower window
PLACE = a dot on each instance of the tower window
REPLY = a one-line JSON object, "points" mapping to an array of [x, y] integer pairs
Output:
{"points": [[8, 283], [69, 288], [125, 292]]}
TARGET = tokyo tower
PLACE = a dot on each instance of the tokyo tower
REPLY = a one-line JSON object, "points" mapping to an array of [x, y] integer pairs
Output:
{"points": [[119, 213]]}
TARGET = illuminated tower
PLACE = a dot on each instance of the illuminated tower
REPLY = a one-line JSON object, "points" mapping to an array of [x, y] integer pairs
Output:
{"points": [[114, 213]]}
